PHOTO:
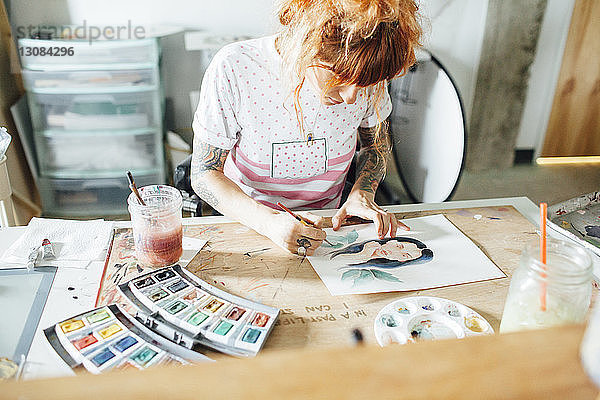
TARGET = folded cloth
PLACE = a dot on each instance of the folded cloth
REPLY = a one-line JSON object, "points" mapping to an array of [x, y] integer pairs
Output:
{"points": [[76, 243]]}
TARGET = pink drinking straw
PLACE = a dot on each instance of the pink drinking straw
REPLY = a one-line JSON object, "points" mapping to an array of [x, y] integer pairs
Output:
{"points": [[543, 216]]}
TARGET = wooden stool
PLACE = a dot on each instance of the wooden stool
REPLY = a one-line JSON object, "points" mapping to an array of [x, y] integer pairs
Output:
{"points": [[7, 211]]}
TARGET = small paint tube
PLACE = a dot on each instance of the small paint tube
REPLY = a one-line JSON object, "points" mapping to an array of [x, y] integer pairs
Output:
{"points": [[32, 258], [48, 250]]}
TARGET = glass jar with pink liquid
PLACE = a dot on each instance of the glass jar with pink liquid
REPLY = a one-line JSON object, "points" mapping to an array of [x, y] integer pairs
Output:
{"points": [[157, 228]]}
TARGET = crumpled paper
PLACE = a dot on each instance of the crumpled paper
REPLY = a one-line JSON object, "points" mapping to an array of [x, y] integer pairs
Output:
{"points": [[76, 243]]}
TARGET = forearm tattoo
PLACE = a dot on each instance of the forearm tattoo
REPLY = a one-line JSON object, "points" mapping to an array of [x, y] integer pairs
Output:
{"points": [[372, 158], [210, 158], [207, 158], [205, 193]]}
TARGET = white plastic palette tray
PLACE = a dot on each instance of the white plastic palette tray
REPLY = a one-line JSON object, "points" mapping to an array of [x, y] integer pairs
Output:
{"points": [[427, 318]]}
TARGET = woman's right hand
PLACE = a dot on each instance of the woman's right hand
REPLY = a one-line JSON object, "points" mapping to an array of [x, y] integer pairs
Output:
{"points": [[291, 234]]}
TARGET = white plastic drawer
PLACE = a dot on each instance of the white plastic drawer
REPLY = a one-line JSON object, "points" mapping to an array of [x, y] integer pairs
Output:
{"points": [[89, 197], [72, 154], [103, 111], [81, 54], [90, 81]]}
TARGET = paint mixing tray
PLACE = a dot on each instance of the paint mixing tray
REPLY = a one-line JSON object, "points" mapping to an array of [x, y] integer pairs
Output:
{"points": [[427, 318]]}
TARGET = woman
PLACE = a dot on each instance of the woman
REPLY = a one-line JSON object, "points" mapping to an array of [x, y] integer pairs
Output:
{"points": [[279, 117]]}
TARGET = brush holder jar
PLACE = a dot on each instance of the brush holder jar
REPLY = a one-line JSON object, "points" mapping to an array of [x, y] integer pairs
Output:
{"points": [[544, 295], [157, 228]]}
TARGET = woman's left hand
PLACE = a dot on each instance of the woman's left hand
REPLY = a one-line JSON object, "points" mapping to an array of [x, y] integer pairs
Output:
{"points": [[361, 204]]}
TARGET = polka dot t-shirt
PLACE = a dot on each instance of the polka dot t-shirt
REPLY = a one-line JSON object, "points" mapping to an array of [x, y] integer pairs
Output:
{"points": [[245, 108]]}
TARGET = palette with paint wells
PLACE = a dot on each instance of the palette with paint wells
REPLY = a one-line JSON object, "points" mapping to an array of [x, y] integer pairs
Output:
{"points": [[179, 305], [107, 338], [427, 318]]}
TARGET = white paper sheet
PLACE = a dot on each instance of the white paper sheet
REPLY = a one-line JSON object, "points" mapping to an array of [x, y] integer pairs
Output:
{"points": [[433, 253], [191, 247], [76, 243]]}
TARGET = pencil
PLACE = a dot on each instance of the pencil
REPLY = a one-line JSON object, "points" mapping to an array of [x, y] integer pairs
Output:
{"points": [[299, 218]]}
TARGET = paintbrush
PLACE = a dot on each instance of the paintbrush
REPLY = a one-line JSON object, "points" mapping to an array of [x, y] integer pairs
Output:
{"points": [[299, 218], [134, 188]]}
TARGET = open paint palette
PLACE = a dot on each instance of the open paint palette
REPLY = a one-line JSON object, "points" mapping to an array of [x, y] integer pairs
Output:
{"points": [[179, 305], [107, 338], [427, 318]]}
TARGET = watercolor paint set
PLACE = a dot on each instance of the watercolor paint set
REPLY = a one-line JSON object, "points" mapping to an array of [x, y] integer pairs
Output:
{"points": [[107, 338], [412, 319], [178, 305]]}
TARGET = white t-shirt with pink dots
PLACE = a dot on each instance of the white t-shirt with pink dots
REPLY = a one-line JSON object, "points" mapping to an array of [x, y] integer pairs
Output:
{"points": [[245, 108]]}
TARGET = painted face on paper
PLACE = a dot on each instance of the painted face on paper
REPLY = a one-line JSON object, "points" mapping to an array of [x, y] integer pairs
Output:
{"points": [[392, 250], [385, 253]]}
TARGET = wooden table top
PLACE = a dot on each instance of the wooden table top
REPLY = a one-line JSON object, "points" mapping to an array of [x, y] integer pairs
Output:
{"points": [[238, 260], [540, 364]]}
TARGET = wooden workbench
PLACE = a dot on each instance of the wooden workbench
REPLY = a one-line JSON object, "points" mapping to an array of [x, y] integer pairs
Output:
{"points": [[242, 262], [528, 365], [317, 361]]}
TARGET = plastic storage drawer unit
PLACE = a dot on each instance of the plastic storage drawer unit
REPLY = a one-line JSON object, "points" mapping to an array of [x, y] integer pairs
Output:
{"points": [[95, 111], [81, 54], [61, 82], [75, 154], [82, 197]]}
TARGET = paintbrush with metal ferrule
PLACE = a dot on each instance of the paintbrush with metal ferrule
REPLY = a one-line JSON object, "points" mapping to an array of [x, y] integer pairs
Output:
{"points": [[299, 218], [134, 188]]}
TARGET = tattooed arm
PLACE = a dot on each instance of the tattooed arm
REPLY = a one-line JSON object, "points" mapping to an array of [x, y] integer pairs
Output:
{"points": [[370, 166], [211, 184], [370, 170]]}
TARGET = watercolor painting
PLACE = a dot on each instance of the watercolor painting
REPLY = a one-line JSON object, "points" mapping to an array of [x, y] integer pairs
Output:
{"points": [[433, 253], [338, 241], [380, 254]]}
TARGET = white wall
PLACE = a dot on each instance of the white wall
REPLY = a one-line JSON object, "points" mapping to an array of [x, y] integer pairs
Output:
{"points": [[222, 16], [455, 36], [454, 33], [544, 74]]}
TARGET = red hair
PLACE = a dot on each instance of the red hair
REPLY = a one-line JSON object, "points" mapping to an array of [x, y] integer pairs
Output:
{"points": [[364, 42]]}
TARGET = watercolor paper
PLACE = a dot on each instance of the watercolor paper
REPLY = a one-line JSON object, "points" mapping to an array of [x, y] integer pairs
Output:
{"points": [[433, 253]]}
